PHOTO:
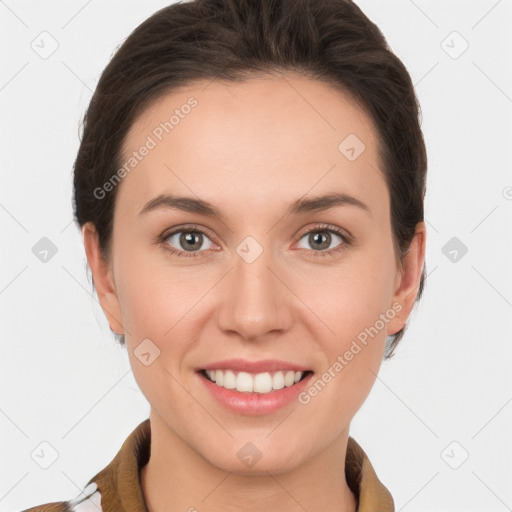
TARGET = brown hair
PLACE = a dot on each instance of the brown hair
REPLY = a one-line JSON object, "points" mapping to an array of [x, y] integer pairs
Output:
{"points": [[327, 40]]}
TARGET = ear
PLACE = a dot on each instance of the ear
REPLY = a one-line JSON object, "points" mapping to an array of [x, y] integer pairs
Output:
{"points": [[408, 280], [102, 278]]}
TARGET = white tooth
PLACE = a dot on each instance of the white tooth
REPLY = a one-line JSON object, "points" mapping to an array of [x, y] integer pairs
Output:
{"points": [[259, 383], [229, 380], [289, 378], [278, 380], [263, 383], [244, 382]]}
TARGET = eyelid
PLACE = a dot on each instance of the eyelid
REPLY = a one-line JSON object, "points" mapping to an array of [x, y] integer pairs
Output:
{"points": [[189, 228], [343, 233]]}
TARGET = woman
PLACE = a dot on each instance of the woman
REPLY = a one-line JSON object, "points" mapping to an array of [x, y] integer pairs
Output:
{"points": [[250, 187]]}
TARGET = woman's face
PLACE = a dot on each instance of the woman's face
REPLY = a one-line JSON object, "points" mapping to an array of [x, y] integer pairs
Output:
{"points": [[266, 272]]}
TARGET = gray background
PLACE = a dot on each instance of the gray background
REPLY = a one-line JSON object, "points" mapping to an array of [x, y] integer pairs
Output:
{"points": [[447, 393]]}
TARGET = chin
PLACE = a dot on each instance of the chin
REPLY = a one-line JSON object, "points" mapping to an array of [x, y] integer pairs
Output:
{"points": [[250, 458]]}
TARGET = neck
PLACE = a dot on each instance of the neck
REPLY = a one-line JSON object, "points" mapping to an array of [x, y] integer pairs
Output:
{"points": [[178, 478]]}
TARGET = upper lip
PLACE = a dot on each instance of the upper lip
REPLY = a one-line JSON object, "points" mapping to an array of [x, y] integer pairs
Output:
{"points": [[244, 365]]}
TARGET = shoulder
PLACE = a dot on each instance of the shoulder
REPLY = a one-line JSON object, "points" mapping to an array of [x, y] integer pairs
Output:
{"points": [[363, 481], [88, 501], [117, 485]]}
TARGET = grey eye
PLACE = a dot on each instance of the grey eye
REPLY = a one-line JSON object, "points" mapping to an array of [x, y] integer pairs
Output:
{"points": [[320, 239], [188, 241]]}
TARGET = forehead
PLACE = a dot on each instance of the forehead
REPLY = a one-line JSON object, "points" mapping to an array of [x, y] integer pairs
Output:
{"points": [[254, 139]]}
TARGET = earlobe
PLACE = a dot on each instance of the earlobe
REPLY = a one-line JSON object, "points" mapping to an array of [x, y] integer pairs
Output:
{"points": [[408, 281], [102, 277]]}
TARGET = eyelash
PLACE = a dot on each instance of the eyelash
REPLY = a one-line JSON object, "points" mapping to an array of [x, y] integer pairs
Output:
{"points": [[346, 239]]}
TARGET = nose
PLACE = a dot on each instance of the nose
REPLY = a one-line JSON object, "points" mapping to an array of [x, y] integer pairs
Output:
{"points": [[255, 302]]}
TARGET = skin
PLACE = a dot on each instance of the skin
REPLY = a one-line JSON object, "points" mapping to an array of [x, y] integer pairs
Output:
{"points": [[251, 149]]}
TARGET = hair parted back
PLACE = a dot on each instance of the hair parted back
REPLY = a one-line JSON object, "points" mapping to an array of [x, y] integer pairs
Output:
{"points": [[327, 40]]}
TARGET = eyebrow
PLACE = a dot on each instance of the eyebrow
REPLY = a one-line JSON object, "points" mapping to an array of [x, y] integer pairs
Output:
{"points": [[302, 205]]}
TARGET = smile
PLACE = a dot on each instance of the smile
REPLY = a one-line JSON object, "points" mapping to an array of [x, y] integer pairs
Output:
{"points": [[245, 382]]}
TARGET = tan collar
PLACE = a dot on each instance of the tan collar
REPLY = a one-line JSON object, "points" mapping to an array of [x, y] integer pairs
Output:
{"points": [[363, 481], [120, 488]]}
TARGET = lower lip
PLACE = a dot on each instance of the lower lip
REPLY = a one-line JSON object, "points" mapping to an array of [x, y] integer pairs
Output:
{"points": [[255, 404]]}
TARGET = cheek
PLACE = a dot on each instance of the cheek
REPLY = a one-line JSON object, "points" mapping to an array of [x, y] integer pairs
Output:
{"points": [[354, 301], [353, 354], [353, 295], [142, 298], [160, 303], [156, 305], [153, 295]]}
